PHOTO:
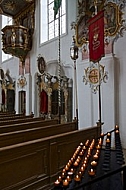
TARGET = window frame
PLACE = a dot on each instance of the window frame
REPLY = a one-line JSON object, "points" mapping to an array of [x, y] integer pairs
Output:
{"points": [[42, 42]]}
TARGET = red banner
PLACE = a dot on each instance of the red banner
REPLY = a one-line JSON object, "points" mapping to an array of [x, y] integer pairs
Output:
{"points": [[96, 37]]}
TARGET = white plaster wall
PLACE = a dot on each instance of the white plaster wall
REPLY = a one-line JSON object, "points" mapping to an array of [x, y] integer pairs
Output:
{"points": [[113, 93], [89, 102], [120, 54], [49, 50]]}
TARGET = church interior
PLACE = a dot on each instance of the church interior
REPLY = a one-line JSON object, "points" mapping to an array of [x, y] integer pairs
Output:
{"points": [[62, 95]]}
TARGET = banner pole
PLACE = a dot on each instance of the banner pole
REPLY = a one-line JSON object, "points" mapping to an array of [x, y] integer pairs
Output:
{"points": [[99, 94], [59, 71]]}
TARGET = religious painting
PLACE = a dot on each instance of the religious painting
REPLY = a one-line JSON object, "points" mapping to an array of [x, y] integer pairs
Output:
{"points": [[41, 64], [112, 19], [86, 10], [82, 30], [88, 7]]}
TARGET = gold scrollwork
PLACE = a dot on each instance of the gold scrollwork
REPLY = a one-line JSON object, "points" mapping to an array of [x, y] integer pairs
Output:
{"points": [[112, 19], [22, 81], [10, 5]]}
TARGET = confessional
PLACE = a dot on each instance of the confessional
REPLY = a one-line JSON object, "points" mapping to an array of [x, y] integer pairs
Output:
{"points": [[48, 92], [7, 90]]}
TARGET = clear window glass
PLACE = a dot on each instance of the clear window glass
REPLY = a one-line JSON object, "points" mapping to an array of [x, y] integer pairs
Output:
{"points": [[49, 25]]}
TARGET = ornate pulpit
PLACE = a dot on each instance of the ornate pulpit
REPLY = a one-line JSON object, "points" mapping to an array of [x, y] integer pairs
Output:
{"points": [[17, 38]]}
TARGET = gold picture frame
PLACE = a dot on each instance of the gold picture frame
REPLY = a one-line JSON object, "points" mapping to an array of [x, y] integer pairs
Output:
{"points": [[112, 20]]}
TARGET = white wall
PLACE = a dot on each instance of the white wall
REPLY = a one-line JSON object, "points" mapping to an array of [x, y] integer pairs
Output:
{"points": [[113, 93], [120, 55]]}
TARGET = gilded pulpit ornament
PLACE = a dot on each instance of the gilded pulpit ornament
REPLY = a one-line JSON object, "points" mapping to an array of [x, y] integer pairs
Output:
{"points": [[95, 75], [10, 5], [17, 38]]}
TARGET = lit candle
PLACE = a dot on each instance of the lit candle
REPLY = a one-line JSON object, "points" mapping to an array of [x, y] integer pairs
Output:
{"points": [[75, 163], [74, 156], [68, 178], [91, 146], [117, 131], [78, 160], [95, 156], [57, 182], [81, 153], [80, 173], [116, 126], [63, 175], [78, 148], [107, 140], [68, 164], [108, 134], [97, 151], [89, 152], [82, 169], [84, 147], [84, 165], [100, 141], [72, 159], [60, 179], [65, 182], [102, 134], [81, 144], [85, 162], [94, 163], [87, 143], [98, 146], [85, 158], [88, 155], [91, 172], [77, 178], [71, 169], [66, 168]]}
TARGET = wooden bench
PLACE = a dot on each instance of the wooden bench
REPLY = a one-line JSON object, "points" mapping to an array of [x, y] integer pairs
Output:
{"points": [[21, 120], [35, 164], [25, 135], [12, 117], [10, 114], [15, 125]]}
